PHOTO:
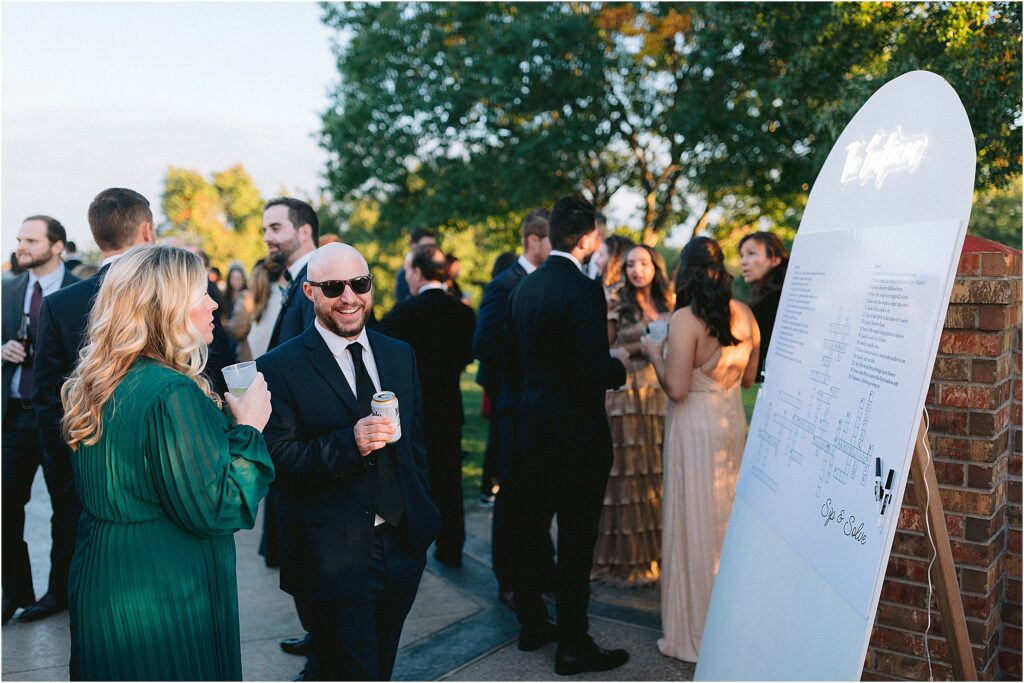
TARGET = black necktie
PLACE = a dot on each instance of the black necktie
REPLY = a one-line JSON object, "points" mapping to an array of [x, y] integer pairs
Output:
{"points": [[287, 275], [34, 306], [390, 505]]}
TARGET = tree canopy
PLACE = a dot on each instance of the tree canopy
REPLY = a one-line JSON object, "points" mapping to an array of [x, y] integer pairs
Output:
{"points": [[223, 215], [448, 114]]}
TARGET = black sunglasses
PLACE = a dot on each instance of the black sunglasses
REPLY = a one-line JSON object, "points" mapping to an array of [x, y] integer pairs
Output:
{"points": [[335, 288]]}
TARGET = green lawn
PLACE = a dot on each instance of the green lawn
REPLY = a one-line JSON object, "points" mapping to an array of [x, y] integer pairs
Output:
{"points": [[474, 432]]}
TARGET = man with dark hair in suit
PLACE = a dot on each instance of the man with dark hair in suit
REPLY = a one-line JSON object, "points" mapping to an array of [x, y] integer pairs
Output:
{"points": [[120, 219], [419, 237], [71, 260], [440, 330], [490, 346], [560, 351], [291, 230], [40, 242], [356, 511]]}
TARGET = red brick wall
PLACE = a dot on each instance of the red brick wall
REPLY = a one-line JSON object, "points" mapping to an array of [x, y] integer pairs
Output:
{"points": [[974, 404]]}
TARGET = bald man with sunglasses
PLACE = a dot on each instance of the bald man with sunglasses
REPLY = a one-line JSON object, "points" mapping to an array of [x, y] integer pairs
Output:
{"points": [[356, 511]]}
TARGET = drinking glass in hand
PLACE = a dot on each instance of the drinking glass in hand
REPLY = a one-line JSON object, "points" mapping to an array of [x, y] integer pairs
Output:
{"points": [[239, 376]]}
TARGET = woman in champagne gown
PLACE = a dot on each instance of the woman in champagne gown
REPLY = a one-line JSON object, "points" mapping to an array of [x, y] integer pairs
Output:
{"points": [[628, 547], [711, 350], [164, 477]]}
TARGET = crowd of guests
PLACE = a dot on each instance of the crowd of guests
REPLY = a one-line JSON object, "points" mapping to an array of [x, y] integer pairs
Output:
{"points": [[612, 392]]}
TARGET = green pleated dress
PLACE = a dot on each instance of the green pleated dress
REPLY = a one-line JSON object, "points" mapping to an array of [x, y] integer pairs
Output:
{"points": [[152, 592]]}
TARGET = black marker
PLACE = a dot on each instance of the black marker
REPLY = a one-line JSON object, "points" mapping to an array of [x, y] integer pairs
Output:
{"points": [[888, 497], [878, 480]]}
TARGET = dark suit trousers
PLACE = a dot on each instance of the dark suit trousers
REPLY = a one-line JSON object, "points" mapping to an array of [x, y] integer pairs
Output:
{"points": [[22, 455], [357, 639], [444, 457], [537, 490], [505, 550]]}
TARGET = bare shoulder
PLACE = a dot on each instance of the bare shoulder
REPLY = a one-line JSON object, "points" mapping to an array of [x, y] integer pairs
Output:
{"points": [[740, 309]]}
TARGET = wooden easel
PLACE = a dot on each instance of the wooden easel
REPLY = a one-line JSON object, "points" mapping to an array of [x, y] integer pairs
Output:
{"points": [[954, 625]]}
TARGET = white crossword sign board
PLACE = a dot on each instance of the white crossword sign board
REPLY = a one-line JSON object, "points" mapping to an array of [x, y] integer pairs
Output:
{"points": [[830, 442]]}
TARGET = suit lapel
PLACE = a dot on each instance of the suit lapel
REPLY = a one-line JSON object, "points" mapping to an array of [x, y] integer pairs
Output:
{"points": [[327, 366], [384, 369]]}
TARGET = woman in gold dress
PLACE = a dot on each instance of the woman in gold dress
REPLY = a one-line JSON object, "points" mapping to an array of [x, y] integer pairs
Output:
{"points": [[629, 541]]}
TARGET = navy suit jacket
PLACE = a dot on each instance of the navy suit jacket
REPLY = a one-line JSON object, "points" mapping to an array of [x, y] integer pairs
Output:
{"points": [[13, 308], [327, 489], [296, 312], [558, 319], [491, 338]]}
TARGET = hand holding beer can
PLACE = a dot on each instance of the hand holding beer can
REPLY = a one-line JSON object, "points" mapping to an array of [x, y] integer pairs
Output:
{"points": [[385, 404]]}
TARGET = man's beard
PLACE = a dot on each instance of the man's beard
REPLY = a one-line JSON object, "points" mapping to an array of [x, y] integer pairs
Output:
{"points": [[328, 321], [41, 261]]}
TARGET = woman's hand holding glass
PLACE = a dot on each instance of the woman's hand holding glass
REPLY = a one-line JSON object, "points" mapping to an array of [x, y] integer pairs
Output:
{"points": [[253, 408]]}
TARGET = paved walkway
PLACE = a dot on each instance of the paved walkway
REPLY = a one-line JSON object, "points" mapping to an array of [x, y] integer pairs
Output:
{"points": [[457, 629]]}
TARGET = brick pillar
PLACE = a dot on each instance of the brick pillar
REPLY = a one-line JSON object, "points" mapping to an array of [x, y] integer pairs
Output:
{"points": [[975, 437]]}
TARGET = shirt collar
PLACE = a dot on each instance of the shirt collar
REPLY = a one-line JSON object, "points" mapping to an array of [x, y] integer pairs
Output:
{"points": [[47, 281], [299, 264], [337, 344], [526, 264], [565, 254], [431, 285], [110, 259]]}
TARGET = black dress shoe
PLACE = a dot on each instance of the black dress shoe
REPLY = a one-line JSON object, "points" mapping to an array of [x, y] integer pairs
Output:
{"points": [[588, 658], [45, 607], [535, 637], [298, 646], [453, 561], [10, 607]]}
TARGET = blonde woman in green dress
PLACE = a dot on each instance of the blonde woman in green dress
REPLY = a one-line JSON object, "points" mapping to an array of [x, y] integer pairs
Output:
{"points": [[165, 479]]}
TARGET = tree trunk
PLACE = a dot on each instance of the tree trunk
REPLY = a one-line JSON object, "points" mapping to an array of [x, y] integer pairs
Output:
{"points": [[703, 222]]}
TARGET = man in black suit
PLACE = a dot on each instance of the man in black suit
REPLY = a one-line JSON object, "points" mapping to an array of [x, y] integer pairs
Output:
{"points": [[356, 512], [291, 230], [490, 346], [560, 351], [418, 238], [120, 219], [440, 330], [40, 242]]}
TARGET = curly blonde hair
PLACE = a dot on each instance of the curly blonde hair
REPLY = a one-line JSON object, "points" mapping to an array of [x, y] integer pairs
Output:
{"points": [[142, 309]]}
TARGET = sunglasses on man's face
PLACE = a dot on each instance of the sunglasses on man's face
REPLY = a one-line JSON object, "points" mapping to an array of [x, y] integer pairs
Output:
{"points": [[332, 289]]}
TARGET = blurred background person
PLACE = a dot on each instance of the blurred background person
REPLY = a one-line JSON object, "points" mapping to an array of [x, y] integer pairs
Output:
{"points": [[491, 340], [13, 268], [628, 547], [711, 351], [417, 238], [164, 477], [489, 477], [452, 283], [607, 262], [71, 260], [440, 330], [235, 284], [268, 290], [764, 260], [40, 242]]}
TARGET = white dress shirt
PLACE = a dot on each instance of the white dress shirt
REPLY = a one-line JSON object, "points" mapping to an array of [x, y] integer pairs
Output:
{"points": [[339, 349], [432, 285], [526, 264], [50, 284], [296, 268], [565, 254]]}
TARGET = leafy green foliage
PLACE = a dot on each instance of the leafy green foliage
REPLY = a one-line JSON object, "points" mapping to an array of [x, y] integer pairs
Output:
{"points": [[449, 114], [224, 217]]}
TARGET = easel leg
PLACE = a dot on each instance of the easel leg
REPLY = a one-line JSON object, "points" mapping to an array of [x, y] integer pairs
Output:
{"points": [[954, 625]]}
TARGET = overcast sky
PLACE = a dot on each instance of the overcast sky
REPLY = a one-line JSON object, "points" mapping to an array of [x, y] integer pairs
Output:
{"points": [[96, 95]]}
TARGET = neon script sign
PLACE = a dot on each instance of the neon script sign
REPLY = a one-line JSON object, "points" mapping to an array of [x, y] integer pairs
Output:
{"points": [[885, 153]]}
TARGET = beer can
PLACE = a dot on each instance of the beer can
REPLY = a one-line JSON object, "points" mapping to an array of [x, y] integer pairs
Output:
{"points": [[385, 404]]}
